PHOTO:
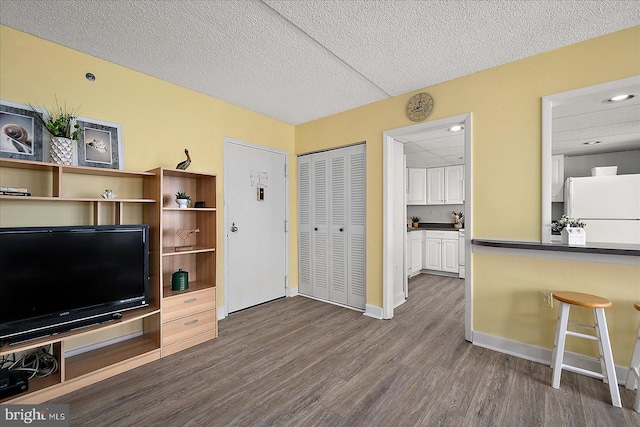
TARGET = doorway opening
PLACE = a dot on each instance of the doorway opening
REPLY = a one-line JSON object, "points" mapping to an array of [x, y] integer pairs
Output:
{"points": [[395, 210]]}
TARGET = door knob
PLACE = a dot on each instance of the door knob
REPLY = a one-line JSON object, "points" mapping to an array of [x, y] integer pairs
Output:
{"points": [[233, 227]]}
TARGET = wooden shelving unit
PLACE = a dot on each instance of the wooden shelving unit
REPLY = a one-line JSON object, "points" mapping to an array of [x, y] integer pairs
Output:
{"points": [[56, 186], [188, 317]]}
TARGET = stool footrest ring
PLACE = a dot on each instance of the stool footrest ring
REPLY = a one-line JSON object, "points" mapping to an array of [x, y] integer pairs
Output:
{"points": [[587, 372], [585, 336]]}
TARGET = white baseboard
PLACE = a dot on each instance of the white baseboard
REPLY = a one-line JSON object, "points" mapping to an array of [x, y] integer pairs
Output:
{"points": [[373, 311], [292, 292], [541, 354]]}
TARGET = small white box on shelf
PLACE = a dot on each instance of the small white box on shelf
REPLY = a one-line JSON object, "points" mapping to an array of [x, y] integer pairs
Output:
{"points": [[574, 236], [604, 171]]}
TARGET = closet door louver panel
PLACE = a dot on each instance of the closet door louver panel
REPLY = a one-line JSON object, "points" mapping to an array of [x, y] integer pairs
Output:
{"points": [[357, 227], [338, 266], [332, 227], [304, 226], [320, 239]]}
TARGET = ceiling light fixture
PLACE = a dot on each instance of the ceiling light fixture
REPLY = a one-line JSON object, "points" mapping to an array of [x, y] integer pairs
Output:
{"points": [[90, 76], [456, 128], [592, 142], [619, 98]]}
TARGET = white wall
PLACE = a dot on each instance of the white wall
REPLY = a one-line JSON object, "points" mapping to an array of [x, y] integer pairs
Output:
{"points": [[441, 213], [628, 162]]}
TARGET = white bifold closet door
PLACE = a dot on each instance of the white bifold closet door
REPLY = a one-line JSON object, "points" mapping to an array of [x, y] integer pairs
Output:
{"points": [[331, 195]]}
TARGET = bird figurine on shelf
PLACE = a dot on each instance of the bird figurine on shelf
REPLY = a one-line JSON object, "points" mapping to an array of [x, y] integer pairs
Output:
{"points": [[185, 164]]}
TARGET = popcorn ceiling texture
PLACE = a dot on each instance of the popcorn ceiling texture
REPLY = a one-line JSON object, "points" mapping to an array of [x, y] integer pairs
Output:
{"points": [[297, 61]]}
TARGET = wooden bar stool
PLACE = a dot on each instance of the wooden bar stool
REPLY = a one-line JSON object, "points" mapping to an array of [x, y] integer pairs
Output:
{"points": [[598, 304], [634, 369]]}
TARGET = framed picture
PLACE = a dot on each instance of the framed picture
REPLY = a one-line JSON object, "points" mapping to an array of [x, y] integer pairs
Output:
{"points": [[21, 132], [100, 144]]}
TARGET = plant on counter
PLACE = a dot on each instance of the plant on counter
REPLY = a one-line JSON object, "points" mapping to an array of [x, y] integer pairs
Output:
{"points": [[415, 219], [565, 221], [457, 216]]}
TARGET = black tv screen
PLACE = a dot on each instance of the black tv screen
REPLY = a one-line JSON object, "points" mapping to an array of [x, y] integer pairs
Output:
{"points": [[54, 279]]}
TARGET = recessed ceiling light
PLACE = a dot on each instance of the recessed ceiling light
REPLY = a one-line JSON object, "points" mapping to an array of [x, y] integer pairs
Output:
{"points": [[456, 128], [619, 98], [592, 142], [90, 76]]}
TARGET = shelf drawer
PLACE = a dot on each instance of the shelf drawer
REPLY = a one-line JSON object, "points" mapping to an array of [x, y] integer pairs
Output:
{"points": [[186, 304], [187, 327]]}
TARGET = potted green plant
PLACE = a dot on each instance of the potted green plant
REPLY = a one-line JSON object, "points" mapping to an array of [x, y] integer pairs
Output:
{"points": [[183, 199], [60, 123], [415, 220]]}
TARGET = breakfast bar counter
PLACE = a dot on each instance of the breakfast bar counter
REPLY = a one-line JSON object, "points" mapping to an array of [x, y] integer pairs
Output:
{"points": [[589, 248]]}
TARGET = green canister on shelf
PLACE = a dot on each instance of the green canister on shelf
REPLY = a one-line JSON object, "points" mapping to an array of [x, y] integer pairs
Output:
{"points": [[180, 280]]}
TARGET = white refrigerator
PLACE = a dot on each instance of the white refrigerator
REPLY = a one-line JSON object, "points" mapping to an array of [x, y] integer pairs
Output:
{"points": [[610, 206]]}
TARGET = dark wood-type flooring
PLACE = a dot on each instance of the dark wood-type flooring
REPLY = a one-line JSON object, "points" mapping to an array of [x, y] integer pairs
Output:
{"points": [[301, 362]]}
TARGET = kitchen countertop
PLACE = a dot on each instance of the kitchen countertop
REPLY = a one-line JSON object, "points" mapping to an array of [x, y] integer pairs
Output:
{"points": [[422, 226]]}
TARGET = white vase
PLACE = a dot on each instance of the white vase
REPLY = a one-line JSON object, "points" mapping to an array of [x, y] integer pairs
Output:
{"points": [[182, 203], [61, 151], [574, 236]]}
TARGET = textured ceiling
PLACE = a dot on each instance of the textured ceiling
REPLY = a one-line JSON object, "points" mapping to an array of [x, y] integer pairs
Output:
{"points": [[586, 118], [301, 60]]}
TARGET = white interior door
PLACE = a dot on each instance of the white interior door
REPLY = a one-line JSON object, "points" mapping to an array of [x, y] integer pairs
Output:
{"points": [[255, 221]]}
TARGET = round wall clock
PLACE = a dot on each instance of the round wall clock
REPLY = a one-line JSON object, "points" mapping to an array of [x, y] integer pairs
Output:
{"points": [[420, 107]]}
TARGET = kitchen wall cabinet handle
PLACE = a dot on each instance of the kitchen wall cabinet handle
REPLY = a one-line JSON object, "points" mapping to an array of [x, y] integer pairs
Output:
{"points": [[315, 229], [342, 229]]}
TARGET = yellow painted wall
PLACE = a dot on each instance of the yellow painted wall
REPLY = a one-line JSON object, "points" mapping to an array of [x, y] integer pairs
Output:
{"points": [[159, 119], [506, 103]]}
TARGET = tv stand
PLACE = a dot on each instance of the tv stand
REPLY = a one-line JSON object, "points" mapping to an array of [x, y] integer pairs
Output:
{"points": [[71, 195], [174, 320]]}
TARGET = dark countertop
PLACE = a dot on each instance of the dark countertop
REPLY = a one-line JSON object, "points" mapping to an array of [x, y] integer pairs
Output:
{"points": [[434, 226], [592, 248]]}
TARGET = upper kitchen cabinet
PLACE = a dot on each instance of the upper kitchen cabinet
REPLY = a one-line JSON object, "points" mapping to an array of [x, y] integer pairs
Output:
{"points": [[454, 185], [435, 186], [445, 185], [416, 186]]}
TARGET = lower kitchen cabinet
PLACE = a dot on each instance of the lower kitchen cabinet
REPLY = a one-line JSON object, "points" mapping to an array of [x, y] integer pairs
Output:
{"points": [[415, 241], [440, 251]]}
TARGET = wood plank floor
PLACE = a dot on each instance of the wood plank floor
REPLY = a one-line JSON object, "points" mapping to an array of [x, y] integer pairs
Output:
{"points": [[301, 362]]}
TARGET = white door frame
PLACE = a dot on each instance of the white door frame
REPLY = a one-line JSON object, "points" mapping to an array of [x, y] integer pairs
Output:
{"points": [[222, 313], [387, 219]]}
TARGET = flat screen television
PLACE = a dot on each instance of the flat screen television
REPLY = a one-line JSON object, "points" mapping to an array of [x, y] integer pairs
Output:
{"points": [[55, 279]]}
